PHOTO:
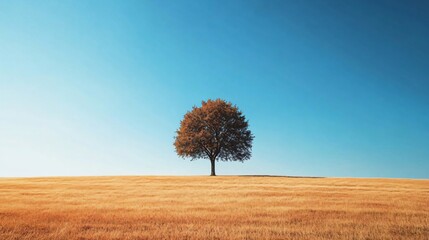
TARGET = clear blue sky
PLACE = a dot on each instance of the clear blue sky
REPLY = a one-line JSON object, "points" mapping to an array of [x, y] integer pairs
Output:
{"points": [[330, 88]]}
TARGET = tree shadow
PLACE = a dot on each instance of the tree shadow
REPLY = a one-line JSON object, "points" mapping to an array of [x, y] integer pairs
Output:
{"points": [[280, 176]]}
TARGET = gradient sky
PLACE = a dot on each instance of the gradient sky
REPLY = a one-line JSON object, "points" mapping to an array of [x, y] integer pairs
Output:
{"points": [[330, 88]]}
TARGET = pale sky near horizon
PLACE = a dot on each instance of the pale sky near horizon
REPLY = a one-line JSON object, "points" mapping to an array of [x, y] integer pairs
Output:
{"points": [[330, 88]]}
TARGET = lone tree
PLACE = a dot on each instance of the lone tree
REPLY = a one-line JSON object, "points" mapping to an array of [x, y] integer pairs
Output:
{"points": [[216, 131]]}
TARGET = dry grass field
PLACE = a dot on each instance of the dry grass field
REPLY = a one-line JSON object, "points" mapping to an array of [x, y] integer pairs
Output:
{"points": [[242, 207]]}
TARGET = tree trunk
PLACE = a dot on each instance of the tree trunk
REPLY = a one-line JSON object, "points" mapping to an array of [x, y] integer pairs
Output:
{"points": [[213, 167]]}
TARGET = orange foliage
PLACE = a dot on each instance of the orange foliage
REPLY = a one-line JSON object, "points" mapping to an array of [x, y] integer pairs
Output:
{"points": [[217, 131]]}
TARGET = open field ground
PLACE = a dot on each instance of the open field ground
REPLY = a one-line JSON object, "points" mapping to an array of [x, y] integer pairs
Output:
{"points": [[230, 207]]}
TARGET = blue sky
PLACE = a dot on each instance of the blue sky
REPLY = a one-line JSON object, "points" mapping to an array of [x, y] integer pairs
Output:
{"points": [[330, 88]]}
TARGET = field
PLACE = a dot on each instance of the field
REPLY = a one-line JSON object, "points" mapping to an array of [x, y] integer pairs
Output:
{"points": [[230, 207]]}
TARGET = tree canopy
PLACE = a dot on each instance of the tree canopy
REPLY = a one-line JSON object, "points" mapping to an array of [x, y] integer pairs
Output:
{"points": [[217, 130]]}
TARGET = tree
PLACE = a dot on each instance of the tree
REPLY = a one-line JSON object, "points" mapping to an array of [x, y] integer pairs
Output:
{"points": [[216, 131]]}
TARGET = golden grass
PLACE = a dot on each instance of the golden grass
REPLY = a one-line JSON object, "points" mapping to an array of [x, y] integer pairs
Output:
{"points": [[213, 208]]}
